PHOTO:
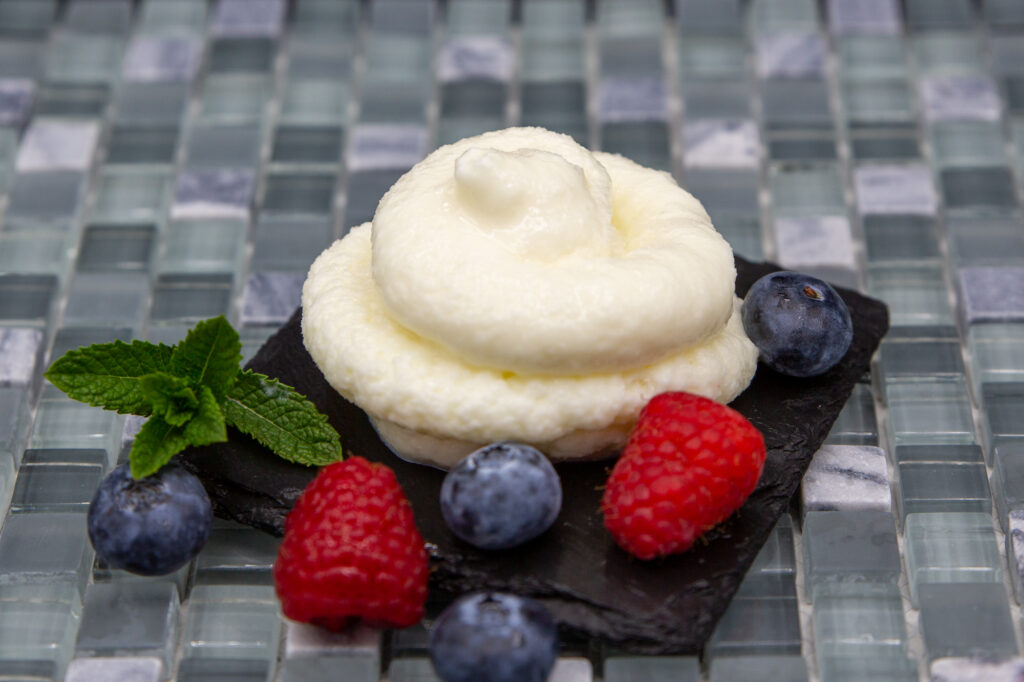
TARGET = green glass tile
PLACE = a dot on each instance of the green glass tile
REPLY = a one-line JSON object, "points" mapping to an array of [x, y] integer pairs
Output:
{"points": [[950, 547], [142, 144], [131, 196], [55, 487], [26, 18], [871, 145], [115, 247], [234, 98], [788, 16], [241, 55], [652, 669], [63, 423], [223, 146], [916, 296], [299, 193], [173, 17], [190, 298], [967, 143], [37, 632], [202, 246], [862, 625], [151, 104], [878, 103], [901, 238], [935, 411], [788, 668], [289, 243], [966, 621], [712, 58], [856, 546], [754, 626], [314, 101], [26, 299], [84, 59], [871, 57], [307, 144], [806, 190], [942, 487], [235, 630], [947, 52], [43, 251], [467, 17], [329, 19]]}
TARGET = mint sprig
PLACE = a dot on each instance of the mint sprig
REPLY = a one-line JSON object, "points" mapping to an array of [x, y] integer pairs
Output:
{"points": [[191, 392]]}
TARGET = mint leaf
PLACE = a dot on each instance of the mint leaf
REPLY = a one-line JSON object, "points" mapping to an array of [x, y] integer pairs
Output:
{"points": [[207, 426], [170, 396], [155, 444], [107, 374], [209, 355], [281, 419]]}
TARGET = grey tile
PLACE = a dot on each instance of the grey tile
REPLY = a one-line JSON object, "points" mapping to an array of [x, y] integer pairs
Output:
{"points": [[16, 96], [214, 193], [122, 669], [53, 145], [814, 241], [248, 18], [959, 97], [19, 352], [977, 670], [478, 56], [376, 146], [847, 17], [847, 477], [883, 189], [992, 294], [154, 59], [639, 98], [271, 297], [717, 143], [790, 55]]}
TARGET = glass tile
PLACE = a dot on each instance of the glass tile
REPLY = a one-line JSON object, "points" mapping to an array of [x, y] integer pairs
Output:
{"points": [[950, 51], [61, 422], [545, 60], [134, 196], [856, 424], [972, 243], [988, 187], [943, 487], [45, 547], [271, 297], [327, 18], [115, 298], [652, 669], [559, 106], [20, 58], [173, 16], [151, 104], [803, 190], [412, 670], [69, 338], [142, 144], [36, 634], [724, 190], [646, 143], [382, 103], [923, 359], [923, 15], [223, 146], [722, 99], [1008, 477], [241, 55], [712, 59], [133, 668], [236, 554], [224, 670], [916, 296], [234, 630], [855, 546], [25, 18], [950, 547], [708, 17], [901, 238], [1004, 13], [878, 103], [754, 626], [151, 607], [44, 196], [966, 620], [190, 298], [14, 410], [930, 412], [319, 59], [234, 98], [866, 626], [398, 60], [864, 57], [796, 104], [289, 243], [895, 146], [307, 144], [34, 252], [743, 232], [26, 299], [1003, 403], [771, 16], [817, 148], [115, 248], [967, 143], [847, 477], [364, 192], [76, 58], [301, 193], [55, 487], [203, 246], [790, 668], [102, 16]]}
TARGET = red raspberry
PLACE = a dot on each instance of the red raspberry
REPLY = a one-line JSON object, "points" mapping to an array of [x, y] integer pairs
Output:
{"points": [[351, 549], [689, 463]]}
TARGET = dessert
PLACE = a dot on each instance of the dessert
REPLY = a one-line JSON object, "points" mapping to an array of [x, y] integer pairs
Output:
{"points": [[515, 286]]}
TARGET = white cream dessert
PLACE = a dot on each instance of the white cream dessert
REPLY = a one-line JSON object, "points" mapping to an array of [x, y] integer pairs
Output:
{"points": [[516, 286]]}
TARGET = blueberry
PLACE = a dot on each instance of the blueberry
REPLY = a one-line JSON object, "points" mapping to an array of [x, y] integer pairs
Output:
{"points": [[501, 496], [492, 637], [799, 324], [150, 526]]}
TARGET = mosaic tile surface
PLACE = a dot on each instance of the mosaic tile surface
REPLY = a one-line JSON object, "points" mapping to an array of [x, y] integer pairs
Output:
{"points": [[162, 161]]}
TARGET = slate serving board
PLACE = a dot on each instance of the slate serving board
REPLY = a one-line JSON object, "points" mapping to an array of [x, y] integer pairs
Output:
{"points": [[595, 590]]}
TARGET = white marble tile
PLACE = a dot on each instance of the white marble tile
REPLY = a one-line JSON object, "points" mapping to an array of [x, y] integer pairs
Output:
{"points": [[271, 297], [642, 98], [19, 352], [16, 96], [992, 294], [877, 17], [155, 59], [378, 146], [974, 670], [1015, 551], [214, 193], [720, 143], [790, 55], [302, 639], [121, 669], [814, 241], [572, 670], [959, 97], [847, 477], [248, 18], [465, 57], [894, 189], [50, 145]]}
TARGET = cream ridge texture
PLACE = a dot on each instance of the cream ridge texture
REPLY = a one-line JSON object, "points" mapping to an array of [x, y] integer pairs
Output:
{"points": [[516, 286]]}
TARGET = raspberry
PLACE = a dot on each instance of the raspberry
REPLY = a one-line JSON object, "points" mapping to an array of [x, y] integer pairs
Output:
{"points": [[689, 463], [351, 549]]}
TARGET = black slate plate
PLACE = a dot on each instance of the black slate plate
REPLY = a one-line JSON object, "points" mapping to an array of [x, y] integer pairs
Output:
{"points": [[595, 590]]}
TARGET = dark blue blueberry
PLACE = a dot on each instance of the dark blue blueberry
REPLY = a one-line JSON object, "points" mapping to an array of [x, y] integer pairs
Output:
{"points": [[492, 637], [151, 526], [501, 496], [799, 324]]}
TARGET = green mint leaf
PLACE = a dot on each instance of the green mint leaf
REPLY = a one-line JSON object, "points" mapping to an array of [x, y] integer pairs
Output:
{"points": [[209, 355], [207, 426], [171, 397], [107, 374], [155, 444], [281, 419]]}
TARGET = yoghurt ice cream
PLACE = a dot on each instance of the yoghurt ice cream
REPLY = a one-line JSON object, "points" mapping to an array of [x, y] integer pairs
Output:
{"points": [[516, 286]]}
